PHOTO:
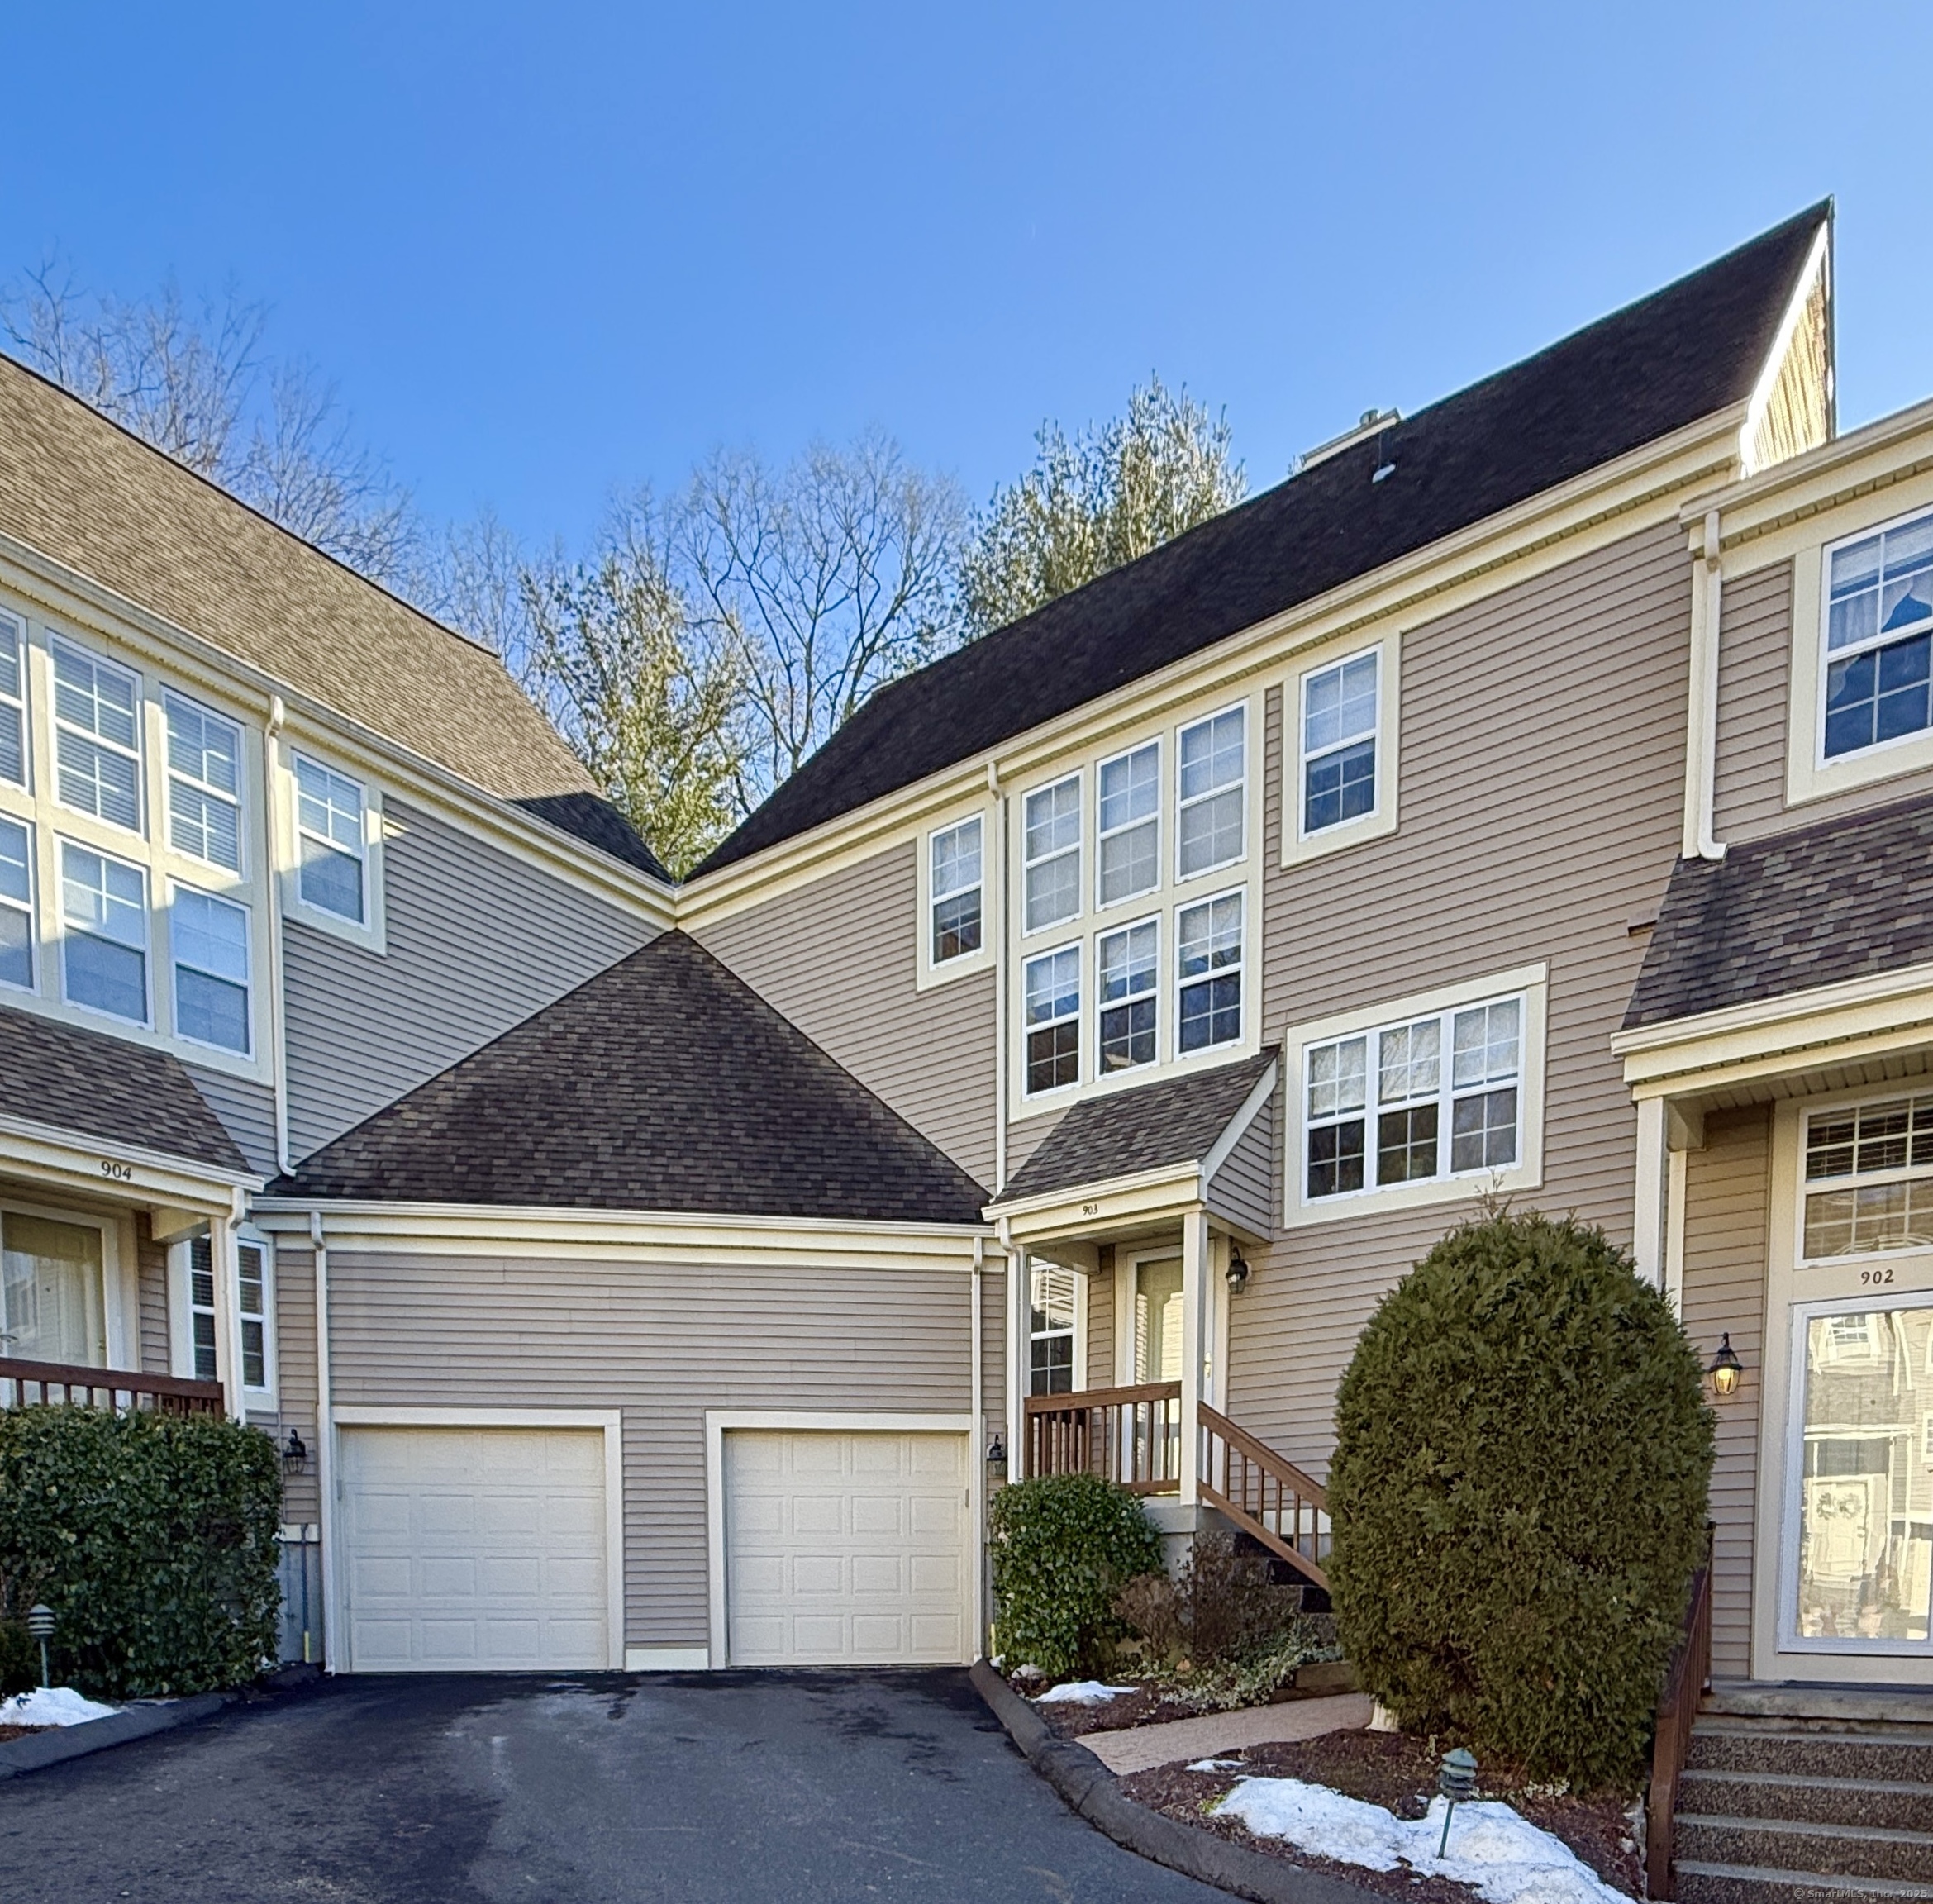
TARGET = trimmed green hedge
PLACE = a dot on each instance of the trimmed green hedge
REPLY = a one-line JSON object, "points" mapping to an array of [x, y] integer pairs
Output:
{"points": [[1064, 1546], [153, 1538], [1519, 1496]]}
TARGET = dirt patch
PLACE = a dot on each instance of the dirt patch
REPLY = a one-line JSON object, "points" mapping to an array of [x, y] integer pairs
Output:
{"points": [[1149, 1705], [8, 1732], [1390, 1769]]}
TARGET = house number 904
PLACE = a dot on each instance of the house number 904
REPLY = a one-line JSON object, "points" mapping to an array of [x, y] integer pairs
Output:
{"points": [[119, 1172]]}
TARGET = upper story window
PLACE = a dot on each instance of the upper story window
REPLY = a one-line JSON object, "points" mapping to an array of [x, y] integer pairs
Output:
{"points": [[1055, 1298], [956, 887], [1869, 1177], [1052, 853], [204, 784], [12, 702], [1124, 984], [1437, 1096], [329, 827], [1209, 961], [1129, 847], [209, 938], [1339, 743], [17, 904], [1053, 1019], [1879, 639], [1212, 803], [97, 737], [104, 940]]}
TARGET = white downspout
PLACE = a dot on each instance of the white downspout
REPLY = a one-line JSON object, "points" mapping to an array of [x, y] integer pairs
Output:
{"points": [[977, 1448], [1701, 714], [1002, 977], [272, 849], [332, 1660]]}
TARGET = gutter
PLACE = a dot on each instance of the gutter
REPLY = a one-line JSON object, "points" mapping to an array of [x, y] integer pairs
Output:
{"points": [[324, 1445]]}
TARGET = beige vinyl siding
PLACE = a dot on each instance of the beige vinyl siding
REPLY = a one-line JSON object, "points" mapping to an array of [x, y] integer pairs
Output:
{"points": [[1798, 409], [1727, 1192], [839, 958], [295, 1374], [1540, 806], [150, 1258], [477, 941], [1100, 1292], [1243, 1190], [664, 1341], [1755, 675], [247, 1112]]}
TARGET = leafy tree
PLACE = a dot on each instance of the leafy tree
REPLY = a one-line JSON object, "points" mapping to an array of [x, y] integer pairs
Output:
{"points": [[1094, 501]]}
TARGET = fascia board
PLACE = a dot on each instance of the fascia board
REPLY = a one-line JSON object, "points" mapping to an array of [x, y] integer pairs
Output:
{"points": [[80, 1158], [1174, 1188]]}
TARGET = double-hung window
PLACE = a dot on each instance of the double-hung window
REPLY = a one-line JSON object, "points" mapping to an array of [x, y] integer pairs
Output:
{"points": [[97, 737], [954, 870], [1054, 1295], [1869, 1177], [17, 904], [1052, 853], [1129, 844], [329, 828], [1208, 959], [1125, 982], [1339, 743], [12, 702], [1211, 807], [1879, 639], [209, 938], [251, 1303], [1434, 1097], [104, 937], [204, 784], [1052, 984]]}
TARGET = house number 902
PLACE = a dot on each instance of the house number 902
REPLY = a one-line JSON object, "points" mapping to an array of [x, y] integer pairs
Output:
{"points": [[1871, 1276], [119, 1172]]}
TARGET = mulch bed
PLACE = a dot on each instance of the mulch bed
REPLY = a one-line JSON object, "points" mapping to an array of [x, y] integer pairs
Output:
{"points": [[1145, 1706], [1391, 1769], [8, 1732]]}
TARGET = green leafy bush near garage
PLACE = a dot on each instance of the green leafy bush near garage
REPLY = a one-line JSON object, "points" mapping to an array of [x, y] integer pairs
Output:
{"points": [[1064, 1546], [1519, 1496], [153, 1538]]}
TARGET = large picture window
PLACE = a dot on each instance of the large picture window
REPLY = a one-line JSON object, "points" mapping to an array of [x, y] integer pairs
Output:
{"points": [[1052, 853], [955, 871], [1879, 639], [1052, 988]]}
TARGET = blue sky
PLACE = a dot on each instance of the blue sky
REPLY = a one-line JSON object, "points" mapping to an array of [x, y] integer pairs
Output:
{"points": [[549, 250]]}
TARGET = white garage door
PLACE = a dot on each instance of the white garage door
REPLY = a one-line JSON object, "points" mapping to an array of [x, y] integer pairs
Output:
{"points": [[845, 1549], [467, 1549]]}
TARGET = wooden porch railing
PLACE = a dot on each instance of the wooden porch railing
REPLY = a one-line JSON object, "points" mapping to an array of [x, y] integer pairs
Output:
{"points": [[1685, 1682], [1131, 1435], [1265, 1495], [123, 1390]]}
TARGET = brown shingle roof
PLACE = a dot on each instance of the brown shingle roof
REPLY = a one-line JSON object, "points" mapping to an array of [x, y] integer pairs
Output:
{"points": [[81, 489]]}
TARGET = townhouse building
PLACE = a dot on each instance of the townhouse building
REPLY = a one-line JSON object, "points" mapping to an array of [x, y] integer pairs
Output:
{"points": [[1529, 796]]}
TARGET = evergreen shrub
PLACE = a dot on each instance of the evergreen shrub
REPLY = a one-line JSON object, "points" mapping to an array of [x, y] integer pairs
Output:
{"points": [[1519, 1498], [153, 1538], [1064, 1546]]}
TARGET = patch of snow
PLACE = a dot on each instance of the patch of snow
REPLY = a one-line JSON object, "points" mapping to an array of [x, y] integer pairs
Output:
{"points": [[1083, 1692], [1493, 1850], [52, 1705], [1214, 1765]]}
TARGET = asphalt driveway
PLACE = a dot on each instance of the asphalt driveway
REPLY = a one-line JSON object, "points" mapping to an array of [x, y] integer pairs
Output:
{"points": [[738, 1787]]}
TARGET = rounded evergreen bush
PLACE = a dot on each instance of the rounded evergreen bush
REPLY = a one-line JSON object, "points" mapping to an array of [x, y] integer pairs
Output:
{"points": [[1064, 1546], [1519, 1496]]}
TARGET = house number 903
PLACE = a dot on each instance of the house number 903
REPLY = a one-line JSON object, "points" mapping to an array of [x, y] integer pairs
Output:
{"points": [[1090, 1209], [119, 1172]]}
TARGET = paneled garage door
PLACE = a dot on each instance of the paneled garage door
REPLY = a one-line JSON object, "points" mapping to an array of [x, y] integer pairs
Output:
{"points": [[847, 1549], [467, 1549]]}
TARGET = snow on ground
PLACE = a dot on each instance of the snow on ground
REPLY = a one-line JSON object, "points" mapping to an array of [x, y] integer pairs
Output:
{"points": [[1492, 1849], [1083, 1692], [52, 1705], [1214, 1765]]}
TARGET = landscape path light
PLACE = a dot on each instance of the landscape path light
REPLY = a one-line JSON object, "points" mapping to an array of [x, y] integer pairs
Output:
{"points": [[1457, 1781], [39, 1625]]}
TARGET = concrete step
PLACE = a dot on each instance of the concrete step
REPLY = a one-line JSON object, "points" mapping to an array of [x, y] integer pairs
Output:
{"points": [[1894, 1753], [1819, 1705], [1863, 1852], [1698, 1882], [1904, 1804]]}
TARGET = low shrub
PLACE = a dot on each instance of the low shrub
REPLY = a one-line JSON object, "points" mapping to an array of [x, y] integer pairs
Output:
{"points": [[1519, 1498], [19, 1659], [1064, 1545], [152, 1537]]}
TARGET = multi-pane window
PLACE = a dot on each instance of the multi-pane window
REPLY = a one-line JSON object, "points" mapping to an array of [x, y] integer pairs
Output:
{"points": [[1051, 854], [17, 904], [1053, 990], [1879, 639], [1869, 1177], [1434, 1097], [956, 885], [1208, 959], [104, 940], [1211, 807], [12, 702], [209, 939], [1129, 846], [1339, 743], [97, 744], [204, 784], [1126, 971], [252, 1303], [1050, 1330], [329, 827]]}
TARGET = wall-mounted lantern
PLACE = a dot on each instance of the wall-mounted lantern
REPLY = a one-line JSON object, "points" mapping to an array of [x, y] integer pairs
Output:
{"points": [[997, 1457], [1725, 1368], [1238, 1271], [295, 1455]]}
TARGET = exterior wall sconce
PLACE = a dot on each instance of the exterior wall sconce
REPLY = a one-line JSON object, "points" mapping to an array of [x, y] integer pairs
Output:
{"points": [[997, 1458], [1725, 1368], [295, 1455], [1238, 1272]]}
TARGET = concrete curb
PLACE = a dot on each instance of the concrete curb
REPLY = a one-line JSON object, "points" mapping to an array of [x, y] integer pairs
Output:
{"points": [[63, 1742], [1094, 1794]]}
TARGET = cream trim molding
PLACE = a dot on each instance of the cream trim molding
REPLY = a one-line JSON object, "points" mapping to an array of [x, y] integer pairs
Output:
{"points": [[102, 1167]]}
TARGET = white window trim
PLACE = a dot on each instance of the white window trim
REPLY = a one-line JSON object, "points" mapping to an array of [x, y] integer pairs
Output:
{"points": [[1298, 845], [36, 949], [1209, 1053], [1906, 1089], [181, 1348], [1245, 786], [93, 1014], [371, 934], [928, 973], [21, 704], [1114, 932], [238, 799], [1077, 1334], [175, 967], [1079, 850], [1530, 981], [56, 638], [1082, 1070], [120, 1302], [1103, 834]]}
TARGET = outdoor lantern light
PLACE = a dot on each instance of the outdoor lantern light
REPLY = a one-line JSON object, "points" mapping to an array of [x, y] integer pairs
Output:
{"points": [[1238, 1271], [997, 1458], [39, 1625], [295, 1453], [1457, 1781], [1725, 1368]]}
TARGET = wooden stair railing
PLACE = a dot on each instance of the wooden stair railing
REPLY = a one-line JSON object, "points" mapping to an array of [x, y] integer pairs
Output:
{"points": [[1265, 1496], [1686, 1680], [23, 1384], [1131, 1435]]}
